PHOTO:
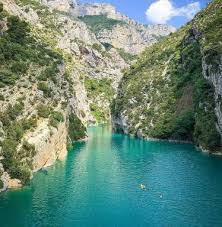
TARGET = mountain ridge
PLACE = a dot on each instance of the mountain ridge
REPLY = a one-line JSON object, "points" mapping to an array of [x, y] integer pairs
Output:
{"points": [[144, 34]]}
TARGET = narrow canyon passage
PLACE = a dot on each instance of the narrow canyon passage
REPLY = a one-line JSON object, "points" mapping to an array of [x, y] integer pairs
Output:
{"points": [[99, 185]]}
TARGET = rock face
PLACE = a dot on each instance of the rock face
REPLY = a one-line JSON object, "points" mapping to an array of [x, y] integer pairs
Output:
{"points": [[98, 9], [213, 73], [127, 34], [61, 5], [174, 90], [50, 144], [134, 38], [130, 35]]}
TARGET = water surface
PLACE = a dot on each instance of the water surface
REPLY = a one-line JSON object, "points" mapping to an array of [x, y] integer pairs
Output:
{"points": [[98, 185]]}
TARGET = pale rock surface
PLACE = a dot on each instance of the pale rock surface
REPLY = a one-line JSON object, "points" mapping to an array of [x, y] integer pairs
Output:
{"points": [[50, 144]]}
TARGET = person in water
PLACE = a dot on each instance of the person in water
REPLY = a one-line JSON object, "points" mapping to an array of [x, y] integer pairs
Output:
{"points": [[143, 187]]}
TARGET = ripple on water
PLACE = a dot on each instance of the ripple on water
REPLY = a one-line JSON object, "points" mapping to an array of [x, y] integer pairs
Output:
{"points": [[99, 185]]}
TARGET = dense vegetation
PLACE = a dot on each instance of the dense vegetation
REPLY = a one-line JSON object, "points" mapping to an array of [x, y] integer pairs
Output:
{"points": [[17, 162], [100, 90], [165, 94], [97, 23], [18, 50], [96, 87], [76, 130]]}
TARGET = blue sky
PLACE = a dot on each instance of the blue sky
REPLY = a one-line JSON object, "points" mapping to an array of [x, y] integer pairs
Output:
{"points": [[136, 9]]}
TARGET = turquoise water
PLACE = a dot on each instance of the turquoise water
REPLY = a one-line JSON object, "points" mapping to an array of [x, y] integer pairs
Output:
{"points": [[98, 185]]}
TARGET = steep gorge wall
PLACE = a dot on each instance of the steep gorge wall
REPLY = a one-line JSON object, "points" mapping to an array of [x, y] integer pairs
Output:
{"points": [[174, 90], [37, 98]]}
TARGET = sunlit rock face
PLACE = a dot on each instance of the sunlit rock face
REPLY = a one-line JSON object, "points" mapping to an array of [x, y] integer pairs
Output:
{"points": [[61, 5]]}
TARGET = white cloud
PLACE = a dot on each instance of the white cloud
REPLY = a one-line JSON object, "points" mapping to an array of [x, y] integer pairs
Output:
{"points": [[161, 11]]}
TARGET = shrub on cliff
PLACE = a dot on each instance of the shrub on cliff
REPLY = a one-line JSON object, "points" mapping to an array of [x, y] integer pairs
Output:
{"points": [[20, 172], [55, 118], [76, 128], [1, 184], [18, 31], [97, 87], [43, 86], [98, 113], [1, 7], [184, 126], [43, 111]]}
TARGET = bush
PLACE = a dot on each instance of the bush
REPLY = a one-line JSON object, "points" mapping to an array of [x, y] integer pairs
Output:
{"points": [[1, 7], [184, 126], [19, 67], [97, 47], [20, 172], [8, 151], [45, 88], [43, 111], [97, 87], [1, 184], [56, 118], [98, 113], [27, 150], [2, 98], [7, 77], [29, 123], [15, 111], [18, 31], [76, 129], [49, 73], [15, 131]]}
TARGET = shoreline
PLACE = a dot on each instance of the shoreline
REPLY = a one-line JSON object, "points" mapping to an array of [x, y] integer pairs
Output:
{"points": [[198, 148]]}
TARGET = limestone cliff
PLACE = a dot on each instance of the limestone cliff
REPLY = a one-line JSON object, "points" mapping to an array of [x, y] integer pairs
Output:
{"points": [[36, 95], [122, 32], [61, 5], [174, 90]]}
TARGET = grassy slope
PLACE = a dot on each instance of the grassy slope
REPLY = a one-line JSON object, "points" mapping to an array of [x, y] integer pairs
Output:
{"points": [[164, 94]]}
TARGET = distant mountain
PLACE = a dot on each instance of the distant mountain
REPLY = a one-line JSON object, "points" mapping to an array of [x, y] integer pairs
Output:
{"points": [[110, 26]]}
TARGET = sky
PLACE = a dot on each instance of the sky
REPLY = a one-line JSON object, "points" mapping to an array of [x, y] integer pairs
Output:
{"points": [[174, 12]]}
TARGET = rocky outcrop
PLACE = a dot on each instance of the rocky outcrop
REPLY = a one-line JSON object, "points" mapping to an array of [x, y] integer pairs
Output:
{"points": [[134, 38], [61, 5], [50, 144], [7, 182], [97, 9], [213, 73]]}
